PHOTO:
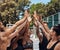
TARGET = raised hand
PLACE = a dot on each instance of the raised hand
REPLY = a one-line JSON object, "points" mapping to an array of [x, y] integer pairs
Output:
{"points": [[26, 13], [35, 15]]}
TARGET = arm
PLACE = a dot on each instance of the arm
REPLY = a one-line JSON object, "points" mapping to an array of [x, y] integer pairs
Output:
{"points": [[45, 32], [39, 34], [26, 14], [15, 33], [8, 31], [44, 27], [40, 18], [23, 31], [17, 30]]}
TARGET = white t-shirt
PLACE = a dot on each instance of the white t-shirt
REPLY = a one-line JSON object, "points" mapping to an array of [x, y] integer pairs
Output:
{"points": [[35, 42]]}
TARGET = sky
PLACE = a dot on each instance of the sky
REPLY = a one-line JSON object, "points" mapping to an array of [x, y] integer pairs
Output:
{"points": [[38, 1]]}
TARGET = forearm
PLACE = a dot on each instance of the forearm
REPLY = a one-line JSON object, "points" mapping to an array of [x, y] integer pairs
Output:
{"points": [[47, 35], [22, 31], [45, 27], [12, 29], [17, 24], [17, 30], [39, 34], [44, 30], [20, 21]]}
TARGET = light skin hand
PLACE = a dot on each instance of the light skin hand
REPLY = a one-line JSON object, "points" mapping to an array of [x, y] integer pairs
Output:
{"points": [[26, 13], [35, 15]]}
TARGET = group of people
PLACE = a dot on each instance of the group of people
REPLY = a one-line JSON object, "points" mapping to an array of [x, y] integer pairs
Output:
{"points": [[51, 37], [20, 31]]}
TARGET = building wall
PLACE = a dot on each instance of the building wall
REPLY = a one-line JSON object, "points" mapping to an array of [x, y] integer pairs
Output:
{"points": [[53, 19]]}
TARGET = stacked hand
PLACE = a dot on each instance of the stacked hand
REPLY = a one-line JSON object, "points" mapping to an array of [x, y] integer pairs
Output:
{"points": [[35, 15], [26, 13]]}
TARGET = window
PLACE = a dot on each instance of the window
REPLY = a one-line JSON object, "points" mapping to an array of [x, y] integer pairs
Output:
{"points": [[55, 19], [50, 21]]}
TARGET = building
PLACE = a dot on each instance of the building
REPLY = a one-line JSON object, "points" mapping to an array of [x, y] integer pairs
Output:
{"points": [[53, 19]]}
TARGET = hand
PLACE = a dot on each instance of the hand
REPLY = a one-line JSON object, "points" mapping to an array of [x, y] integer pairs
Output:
{"points": [[35, 15], [26, 13]]}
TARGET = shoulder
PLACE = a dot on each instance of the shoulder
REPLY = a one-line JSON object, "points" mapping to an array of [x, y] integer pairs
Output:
{"points": [[57, 47]]}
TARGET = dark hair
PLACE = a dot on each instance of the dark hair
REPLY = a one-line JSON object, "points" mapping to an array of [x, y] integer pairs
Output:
{"points": [[59, 25], [57, 30]]}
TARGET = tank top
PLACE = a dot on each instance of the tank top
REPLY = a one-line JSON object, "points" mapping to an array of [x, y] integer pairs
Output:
{"points": [[52, 48], [28, 45], [44, 43]]}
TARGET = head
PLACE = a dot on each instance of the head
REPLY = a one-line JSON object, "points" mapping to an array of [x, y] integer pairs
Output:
{"points": [[55, 31]]}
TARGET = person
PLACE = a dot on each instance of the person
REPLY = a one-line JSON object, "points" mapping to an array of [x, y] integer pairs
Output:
{"points": [[54, 43], [6, 33], [5, 41], [18, 40], [27, 43], [23, 36], [10, 30], [41, 36], [53, 36], [14, 44]]}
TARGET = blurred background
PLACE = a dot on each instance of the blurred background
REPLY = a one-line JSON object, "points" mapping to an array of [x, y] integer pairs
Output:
{"points": [[13, 10]]}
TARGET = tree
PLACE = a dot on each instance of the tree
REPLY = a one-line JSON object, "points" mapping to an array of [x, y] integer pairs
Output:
{"points": [[10, 9], [46, 9]]}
